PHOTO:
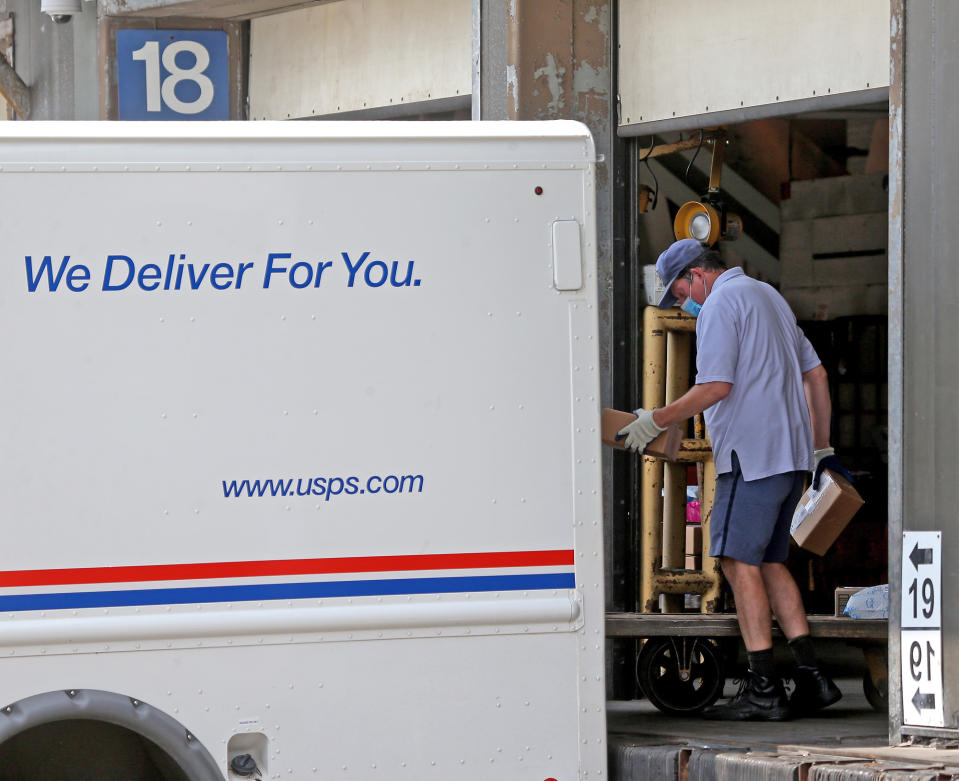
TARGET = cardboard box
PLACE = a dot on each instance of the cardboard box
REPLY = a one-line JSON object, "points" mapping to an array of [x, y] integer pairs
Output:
{"points": [[652, 285], [694, 540], [821, 515], [842, 597], [870, 602], [694, 562], [666, 445]]}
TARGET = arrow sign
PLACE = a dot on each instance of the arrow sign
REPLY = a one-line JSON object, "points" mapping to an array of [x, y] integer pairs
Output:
{"points": [[920, 556], [923, 701]]}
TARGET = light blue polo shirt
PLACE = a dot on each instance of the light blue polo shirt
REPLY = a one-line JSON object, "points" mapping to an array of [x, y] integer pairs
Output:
{"points": [[747, 335]]}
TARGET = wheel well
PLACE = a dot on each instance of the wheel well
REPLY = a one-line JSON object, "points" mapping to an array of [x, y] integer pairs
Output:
{"points": [[85, 733]]}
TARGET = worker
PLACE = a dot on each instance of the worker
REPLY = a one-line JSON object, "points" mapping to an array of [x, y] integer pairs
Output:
{"points": [[766, 399]]}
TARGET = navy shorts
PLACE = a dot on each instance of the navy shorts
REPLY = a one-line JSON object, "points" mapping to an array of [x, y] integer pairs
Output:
{"points": [[751, 518]]}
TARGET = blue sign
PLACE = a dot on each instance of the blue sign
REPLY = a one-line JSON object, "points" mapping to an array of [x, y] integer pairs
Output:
{"points": [[173, 74]]}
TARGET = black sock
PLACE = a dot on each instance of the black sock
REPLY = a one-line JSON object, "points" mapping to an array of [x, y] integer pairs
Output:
{"points": [[803, 651], [761, 662]]}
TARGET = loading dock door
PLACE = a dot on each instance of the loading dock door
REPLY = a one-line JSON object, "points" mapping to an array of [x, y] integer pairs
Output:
{"points": [[700, 63]]}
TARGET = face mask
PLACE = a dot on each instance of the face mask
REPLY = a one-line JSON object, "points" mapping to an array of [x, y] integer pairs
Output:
{"points": [[691, 307]]}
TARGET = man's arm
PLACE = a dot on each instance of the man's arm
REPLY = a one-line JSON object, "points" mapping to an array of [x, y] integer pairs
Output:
{"points": [[816, 385], [695, 400]]}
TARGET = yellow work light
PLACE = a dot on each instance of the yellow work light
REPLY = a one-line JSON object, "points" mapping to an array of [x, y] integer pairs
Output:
{"points": [[707, 222], [700, 221]]}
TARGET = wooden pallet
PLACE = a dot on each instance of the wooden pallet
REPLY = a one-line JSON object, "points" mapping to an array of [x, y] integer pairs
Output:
{"points": [[725, 625]]}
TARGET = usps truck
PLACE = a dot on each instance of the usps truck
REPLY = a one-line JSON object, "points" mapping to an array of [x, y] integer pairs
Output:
{"points": [[300, 462]]}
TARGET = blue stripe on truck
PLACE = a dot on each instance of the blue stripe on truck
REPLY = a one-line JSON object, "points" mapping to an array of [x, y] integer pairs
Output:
{"points": [[269, 591]]}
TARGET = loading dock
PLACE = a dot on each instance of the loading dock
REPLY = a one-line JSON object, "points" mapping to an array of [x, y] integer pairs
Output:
{"points": [[903, 325], [809, 170]]}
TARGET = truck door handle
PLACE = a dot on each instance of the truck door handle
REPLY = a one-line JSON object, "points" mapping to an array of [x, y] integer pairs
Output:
{"points": [[567, 255]]}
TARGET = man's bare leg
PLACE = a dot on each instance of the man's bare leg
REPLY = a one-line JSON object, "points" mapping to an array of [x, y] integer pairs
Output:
{"points": [[784, 599], [814, 690], [752, 603], [761, 697]]}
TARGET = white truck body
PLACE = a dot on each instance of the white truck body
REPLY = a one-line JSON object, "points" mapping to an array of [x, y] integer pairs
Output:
{"points": [[299, 444]]}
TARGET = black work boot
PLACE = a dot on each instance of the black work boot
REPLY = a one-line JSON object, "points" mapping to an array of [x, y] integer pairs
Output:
{"points": [[814, 691], [759, 699]]}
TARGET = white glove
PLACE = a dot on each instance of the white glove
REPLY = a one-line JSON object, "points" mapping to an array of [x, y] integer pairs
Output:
{"points": [[641, 431], [819, 455]]}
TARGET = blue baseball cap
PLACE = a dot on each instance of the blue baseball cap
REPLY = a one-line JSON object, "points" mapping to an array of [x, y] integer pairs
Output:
{"points": [[671, 263]]}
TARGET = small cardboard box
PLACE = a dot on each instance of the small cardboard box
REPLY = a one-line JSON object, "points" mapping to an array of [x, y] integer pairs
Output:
{"points": [[666, 445], [842, 597], [652, 285], [822, 515], [694, 562], [694, 540]]}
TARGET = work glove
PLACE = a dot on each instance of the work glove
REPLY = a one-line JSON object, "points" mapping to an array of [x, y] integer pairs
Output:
{"points": [[826, 458], [640, 432]]}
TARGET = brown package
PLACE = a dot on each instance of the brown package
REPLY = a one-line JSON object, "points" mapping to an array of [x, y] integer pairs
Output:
{"points": [[822, 515], [666, 445], [694, 539], [842, 597]]}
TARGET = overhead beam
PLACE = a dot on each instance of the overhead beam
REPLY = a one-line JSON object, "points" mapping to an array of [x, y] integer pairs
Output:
{"points": [[12, 88], [658, 150], [757, 203], [205, 9]]}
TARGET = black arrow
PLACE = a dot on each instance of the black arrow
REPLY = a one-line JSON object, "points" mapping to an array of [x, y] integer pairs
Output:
{"points": [[920, 556], [923, 701]]}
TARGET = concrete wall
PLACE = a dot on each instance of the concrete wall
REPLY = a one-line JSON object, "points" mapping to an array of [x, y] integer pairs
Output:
{"points": [[832, 247], [924, 309], [57, 61]]}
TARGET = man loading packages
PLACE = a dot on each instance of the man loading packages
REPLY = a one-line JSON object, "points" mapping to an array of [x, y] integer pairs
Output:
{"points": [[766, 400]]}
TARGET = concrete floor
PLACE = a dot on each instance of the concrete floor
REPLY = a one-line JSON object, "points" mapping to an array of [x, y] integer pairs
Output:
{"points": [[850, 722], [848, 740]]}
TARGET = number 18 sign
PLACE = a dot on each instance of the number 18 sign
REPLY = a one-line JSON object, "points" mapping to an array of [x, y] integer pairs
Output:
{"points": [[172, 74]]}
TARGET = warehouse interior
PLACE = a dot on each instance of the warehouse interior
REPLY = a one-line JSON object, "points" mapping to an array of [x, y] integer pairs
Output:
{"points": [[812, 193]]}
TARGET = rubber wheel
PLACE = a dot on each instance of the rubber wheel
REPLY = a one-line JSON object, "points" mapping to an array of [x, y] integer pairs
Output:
{"points": [[878, 696], [681, 675]]}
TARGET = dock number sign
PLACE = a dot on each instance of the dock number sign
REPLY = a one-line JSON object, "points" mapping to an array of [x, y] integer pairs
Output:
{"points": [[922, 629], [172, 74]]}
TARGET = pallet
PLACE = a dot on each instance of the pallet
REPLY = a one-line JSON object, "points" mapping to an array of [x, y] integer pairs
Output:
{"points": [[725, 625]]}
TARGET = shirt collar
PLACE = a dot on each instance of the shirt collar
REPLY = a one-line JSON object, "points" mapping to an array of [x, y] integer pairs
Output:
{"points": [[726, 276]]}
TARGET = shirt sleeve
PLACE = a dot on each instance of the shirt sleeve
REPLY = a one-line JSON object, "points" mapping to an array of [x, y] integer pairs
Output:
{"points": [[808, 359], [717, 344]]}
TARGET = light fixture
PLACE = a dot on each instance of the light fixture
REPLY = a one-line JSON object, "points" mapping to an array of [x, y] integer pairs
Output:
{"points": [[707, 220], [697, 220], [60, 10]]}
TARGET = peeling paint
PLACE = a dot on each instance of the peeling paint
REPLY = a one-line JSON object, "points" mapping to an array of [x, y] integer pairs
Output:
{"points": [[586, 78], [554, 75], [512, 87], [604, 20]]}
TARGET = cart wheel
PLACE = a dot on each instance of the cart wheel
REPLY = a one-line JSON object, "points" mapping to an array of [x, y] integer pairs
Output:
{"points": [[878, 696], [681, 675]]}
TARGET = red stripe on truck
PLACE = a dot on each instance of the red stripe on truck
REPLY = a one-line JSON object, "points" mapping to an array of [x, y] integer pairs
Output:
{"points": [[251, 569]]}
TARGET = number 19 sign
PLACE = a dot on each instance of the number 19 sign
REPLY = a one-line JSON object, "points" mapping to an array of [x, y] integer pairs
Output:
{"points": [[921, 629], [172, 74]]}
